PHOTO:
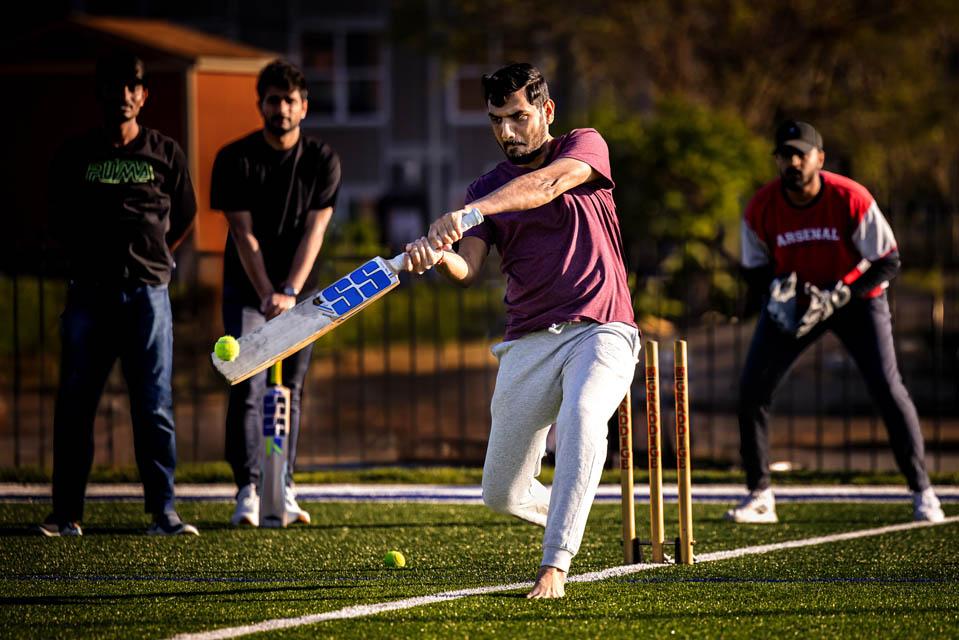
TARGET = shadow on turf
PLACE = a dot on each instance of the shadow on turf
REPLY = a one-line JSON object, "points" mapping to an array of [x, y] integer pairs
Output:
{"points": [[107, 530], [30, 531], [214, 595], [226, 526]]}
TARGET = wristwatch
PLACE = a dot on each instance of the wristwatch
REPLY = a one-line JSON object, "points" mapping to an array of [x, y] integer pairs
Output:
{"points": [[290, 291]]}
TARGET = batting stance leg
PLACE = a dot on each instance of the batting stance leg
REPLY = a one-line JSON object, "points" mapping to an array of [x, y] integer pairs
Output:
{"points": [[576, 378], [525, 402]]}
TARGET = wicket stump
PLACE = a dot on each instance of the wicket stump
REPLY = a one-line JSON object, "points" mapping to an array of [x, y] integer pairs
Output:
{"points": [[653, 429], [683, 468], [631, 553], [684, 543]]}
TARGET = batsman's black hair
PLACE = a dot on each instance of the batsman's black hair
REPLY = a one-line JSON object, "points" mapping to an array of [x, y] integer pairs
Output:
{"points": [[501, 84], [281, 74]]}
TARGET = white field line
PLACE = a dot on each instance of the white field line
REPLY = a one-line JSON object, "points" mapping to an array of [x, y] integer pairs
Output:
{"points": [[360, 611]]}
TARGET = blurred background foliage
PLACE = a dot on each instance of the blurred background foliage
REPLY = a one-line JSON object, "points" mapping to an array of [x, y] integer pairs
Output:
{"points": [[683, 172], [687, 94]]}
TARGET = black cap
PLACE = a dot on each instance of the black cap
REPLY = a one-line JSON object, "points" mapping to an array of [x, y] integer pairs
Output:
{"points": [[800, 135], [121, 67]]}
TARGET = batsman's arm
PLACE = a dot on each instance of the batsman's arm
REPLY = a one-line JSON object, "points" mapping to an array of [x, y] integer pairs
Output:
{"points": [[462, 267], [536, 188], [522, 193]]}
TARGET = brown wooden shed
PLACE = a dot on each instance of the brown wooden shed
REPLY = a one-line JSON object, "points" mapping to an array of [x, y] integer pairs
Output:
{"points": [[202, 93]]}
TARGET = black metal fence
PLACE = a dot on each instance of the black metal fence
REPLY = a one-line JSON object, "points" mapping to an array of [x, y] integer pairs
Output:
{"points": [[409, 380]]}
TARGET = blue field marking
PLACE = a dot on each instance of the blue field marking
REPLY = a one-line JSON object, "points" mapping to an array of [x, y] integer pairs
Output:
{"points": [[472, 494]]}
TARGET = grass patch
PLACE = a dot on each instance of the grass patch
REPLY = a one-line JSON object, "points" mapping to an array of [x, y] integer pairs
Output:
{"points": [[116, 582]]}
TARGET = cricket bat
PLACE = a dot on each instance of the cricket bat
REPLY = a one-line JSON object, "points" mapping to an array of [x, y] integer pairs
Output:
{"points": [[273, 451], [307, 321]]}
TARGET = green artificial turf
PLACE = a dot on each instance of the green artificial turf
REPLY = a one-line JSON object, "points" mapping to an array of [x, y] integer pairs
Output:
{"points": [[117, 583]]}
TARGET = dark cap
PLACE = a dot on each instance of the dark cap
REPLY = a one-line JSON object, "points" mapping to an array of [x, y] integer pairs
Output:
{"points": [[121, 67], [800, 135]]}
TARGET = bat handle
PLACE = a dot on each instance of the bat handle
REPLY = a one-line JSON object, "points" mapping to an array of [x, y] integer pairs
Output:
{"points": [[276, 373], [469, 220], [400, 263]]}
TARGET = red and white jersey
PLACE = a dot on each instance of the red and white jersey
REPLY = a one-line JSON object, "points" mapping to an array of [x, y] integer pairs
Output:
{"points": [[832, 238]]}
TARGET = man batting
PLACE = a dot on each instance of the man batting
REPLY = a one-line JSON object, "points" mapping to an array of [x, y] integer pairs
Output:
{"points": [[571, 343], [822, 247]]}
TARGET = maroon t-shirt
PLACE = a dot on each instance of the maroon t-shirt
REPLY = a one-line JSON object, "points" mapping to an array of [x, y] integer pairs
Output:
{"points": [[563, 261]]}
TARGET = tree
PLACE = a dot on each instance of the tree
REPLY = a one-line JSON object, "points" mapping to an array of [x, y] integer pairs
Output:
{"points": [[683, 173], [879, 78]]}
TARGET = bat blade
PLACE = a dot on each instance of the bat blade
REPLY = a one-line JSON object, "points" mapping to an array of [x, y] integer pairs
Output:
{"points": [[309, 320]]}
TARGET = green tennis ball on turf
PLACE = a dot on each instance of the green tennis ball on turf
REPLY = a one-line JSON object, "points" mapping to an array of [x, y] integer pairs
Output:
{"points": [[227, 348], [394, 559]]}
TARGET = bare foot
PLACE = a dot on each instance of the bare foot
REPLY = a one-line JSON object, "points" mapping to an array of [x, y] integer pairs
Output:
{"points": [[550, 583]]}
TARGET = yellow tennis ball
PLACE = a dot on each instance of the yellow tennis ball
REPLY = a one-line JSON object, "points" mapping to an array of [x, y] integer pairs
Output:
{"points": [[394, 559], [227, 348]]}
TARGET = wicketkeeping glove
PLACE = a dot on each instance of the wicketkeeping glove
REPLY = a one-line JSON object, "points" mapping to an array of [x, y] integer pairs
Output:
{"points": [[782, 303], [822, 304]]}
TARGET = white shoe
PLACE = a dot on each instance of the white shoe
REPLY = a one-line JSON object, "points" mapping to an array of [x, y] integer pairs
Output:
{"points": [[170, 524], [293, 511], [247, 511], [759, 507], [926, 507]]}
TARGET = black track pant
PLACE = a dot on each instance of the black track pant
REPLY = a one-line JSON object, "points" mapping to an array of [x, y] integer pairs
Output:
{"points": [[244, 413], [865, 329]]}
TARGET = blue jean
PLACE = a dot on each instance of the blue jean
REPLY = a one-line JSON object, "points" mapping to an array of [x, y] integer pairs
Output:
{"points": [[244, 413], [100, 324]]}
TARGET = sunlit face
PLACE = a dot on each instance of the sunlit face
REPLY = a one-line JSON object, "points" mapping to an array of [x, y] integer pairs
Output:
{"points": [[797, 169], [121, 101], [520, 128], [282, 110]]}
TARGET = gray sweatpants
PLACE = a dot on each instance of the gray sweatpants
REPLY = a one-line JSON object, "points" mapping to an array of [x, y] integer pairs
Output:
{"points": [[575, 375]]}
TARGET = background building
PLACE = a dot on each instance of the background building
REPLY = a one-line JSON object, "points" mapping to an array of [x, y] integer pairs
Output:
{"points": [[394, 88]]}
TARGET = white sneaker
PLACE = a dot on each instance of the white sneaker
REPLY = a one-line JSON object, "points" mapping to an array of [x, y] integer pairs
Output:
{"points": [[926, 507], [293, 511], [247, 511], [759, 507]]}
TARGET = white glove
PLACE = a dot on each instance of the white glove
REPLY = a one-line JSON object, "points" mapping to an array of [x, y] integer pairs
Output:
{"points": [[822, 304], [782, 303]]}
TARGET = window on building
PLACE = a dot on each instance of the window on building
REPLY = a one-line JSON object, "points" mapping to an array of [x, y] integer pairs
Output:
{"points": [[464, 92], [464, 96], [346, 72]]}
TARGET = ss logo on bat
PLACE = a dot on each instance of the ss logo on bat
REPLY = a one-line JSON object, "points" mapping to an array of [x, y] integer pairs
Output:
{"points": [[353, 289]]}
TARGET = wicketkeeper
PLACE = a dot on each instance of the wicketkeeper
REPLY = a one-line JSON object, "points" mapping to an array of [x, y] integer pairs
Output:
{"points": [[820, 245]]}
